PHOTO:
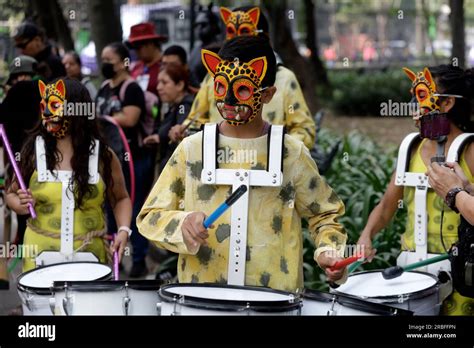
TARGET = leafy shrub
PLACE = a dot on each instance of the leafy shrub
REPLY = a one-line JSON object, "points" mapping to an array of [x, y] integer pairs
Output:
{"points": [[359, 174]]}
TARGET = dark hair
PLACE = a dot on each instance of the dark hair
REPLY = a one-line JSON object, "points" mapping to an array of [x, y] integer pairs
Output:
{"points": [[247, 48], [177, 73], [120, 49], [262, 20], [75, 56], [83, 131], [454, 80], [177, 51]]}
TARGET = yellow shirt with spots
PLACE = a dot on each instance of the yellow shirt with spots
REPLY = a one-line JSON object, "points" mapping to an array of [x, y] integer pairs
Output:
{"points": [[274, 242], [288, 98]]}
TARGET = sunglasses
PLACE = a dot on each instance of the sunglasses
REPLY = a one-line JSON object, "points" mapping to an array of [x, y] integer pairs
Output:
{"points": [[23, 44]]}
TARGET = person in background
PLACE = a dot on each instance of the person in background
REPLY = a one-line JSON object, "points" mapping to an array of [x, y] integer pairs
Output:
{"points": [[147, 44], [173, 89], [72, 63], [127, 112], [31, 41], [174, 54]]}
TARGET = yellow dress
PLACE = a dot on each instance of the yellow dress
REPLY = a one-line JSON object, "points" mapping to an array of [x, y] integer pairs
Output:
{"points": [[274, 242], [454, 304], [48, 210], [287, 107]]}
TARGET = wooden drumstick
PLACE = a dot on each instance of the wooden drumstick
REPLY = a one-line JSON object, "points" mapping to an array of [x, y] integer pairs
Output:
{"points": [[187, 126]]}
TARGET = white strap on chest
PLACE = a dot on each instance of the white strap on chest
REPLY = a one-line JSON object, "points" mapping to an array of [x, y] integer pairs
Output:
{"points": [[67, 191], [420, 182], [237, 177]]}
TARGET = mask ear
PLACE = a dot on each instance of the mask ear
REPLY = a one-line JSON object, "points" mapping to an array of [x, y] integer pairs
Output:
{"points": [[411, 75], [260, 66], [42, 89], [61, 88], [428, 76], [210, 61], [254, 14], [225, 14]]}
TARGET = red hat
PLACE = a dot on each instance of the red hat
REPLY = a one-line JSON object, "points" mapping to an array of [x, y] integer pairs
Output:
{"points": [[142, 32]]}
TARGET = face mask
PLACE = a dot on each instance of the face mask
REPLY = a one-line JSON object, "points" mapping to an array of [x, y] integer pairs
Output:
{"points": [[237, 86], [52, 108], [433, 123], [240, 23], [108, 70]]}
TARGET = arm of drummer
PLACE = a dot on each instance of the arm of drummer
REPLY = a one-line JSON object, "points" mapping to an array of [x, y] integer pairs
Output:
{"points": [[380, 217], [319, 204], [18, 199], [121, 204], [162, 216]]}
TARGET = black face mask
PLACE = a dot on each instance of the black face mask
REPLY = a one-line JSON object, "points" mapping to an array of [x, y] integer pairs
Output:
{"points": [[108, 70]]}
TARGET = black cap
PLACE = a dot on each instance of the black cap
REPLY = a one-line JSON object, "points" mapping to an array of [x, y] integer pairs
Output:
{"points": [[27, 30]]}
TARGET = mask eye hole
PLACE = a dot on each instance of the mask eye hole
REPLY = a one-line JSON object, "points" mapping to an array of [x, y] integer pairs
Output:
{"points": [[244, 31], [421, 94], [219, 88], [244, 92], [230, 31]]}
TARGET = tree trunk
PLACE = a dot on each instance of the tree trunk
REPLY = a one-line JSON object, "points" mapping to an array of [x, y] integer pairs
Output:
{"points": [[457, 32], [312, 43], [49, 15], [284, 45], [106, 28]]}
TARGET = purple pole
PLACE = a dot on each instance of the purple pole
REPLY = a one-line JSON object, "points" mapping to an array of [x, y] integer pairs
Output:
{"points": [[6, 143]]}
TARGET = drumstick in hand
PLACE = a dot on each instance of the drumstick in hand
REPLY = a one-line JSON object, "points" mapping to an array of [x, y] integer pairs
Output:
{"points": [[397, 271], [345, 262], [224, 206], [187, 126]]}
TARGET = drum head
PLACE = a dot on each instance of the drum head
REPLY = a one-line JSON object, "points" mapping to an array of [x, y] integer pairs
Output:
{"points": [[372, 284], [228, 297], [43, 278], [354, 303]]}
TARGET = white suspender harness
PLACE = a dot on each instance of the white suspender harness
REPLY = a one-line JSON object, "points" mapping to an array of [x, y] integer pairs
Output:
{"points": [[236, 177], [67, 198], [420, 182]]}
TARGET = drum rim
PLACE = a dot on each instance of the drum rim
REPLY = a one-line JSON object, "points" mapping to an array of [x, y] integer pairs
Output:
{"points": [[394, 298], [230, 305], [351, 302], [48, 290], [100, 284]]}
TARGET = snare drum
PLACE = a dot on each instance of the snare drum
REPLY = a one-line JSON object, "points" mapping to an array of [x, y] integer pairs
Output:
{"points": [[323, 303], [118, 297], [34, 287], [415, 291], [217, 299]]}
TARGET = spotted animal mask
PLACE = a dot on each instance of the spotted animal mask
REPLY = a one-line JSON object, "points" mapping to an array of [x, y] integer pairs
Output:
{"points": [[52, 108], [237, 86], [240, 23]]}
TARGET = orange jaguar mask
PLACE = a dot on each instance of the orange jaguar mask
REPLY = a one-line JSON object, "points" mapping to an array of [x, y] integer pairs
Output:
{"points": [[52, 108], [424, 89], [237, 86], [240, 23]]}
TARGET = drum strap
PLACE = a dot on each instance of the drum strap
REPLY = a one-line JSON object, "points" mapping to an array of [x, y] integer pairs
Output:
{"points": [[211, 175], [67, 198], [420, 182]]}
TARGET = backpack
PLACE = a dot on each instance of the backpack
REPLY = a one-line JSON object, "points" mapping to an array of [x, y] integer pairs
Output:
{"points": [[147, 124]]}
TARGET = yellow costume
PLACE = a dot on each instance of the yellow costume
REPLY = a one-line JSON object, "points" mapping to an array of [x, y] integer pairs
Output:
{"points": [[48, 209], [288, 98], [274, 237], [454, 304]]}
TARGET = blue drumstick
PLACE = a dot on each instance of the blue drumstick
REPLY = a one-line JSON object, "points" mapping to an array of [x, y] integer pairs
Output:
{"points": [[224, 206]]}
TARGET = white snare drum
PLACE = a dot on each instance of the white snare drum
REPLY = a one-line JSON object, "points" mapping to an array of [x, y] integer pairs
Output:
{"points": [[323, 303], [118, 297], [217, 299], [415, 291], [34, 287]]}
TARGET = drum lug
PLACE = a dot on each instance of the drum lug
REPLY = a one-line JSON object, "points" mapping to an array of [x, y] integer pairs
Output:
{"points": [[26, 300], [247, 308], [52, 305], [176, 309], [67, 301], [158, 308], [126, 301], [331, 310]]}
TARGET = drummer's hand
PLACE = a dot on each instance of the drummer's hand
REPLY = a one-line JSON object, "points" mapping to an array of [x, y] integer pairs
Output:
{"points": [[194, 232], [326, 261], [119, 243], [366, 243], [176, 133], [25, 197]]}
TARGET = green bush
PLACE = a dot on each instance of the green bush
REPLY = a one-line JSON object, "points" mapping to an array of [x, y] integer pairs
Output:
{"points": [[362, 94], [359, 174]]}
